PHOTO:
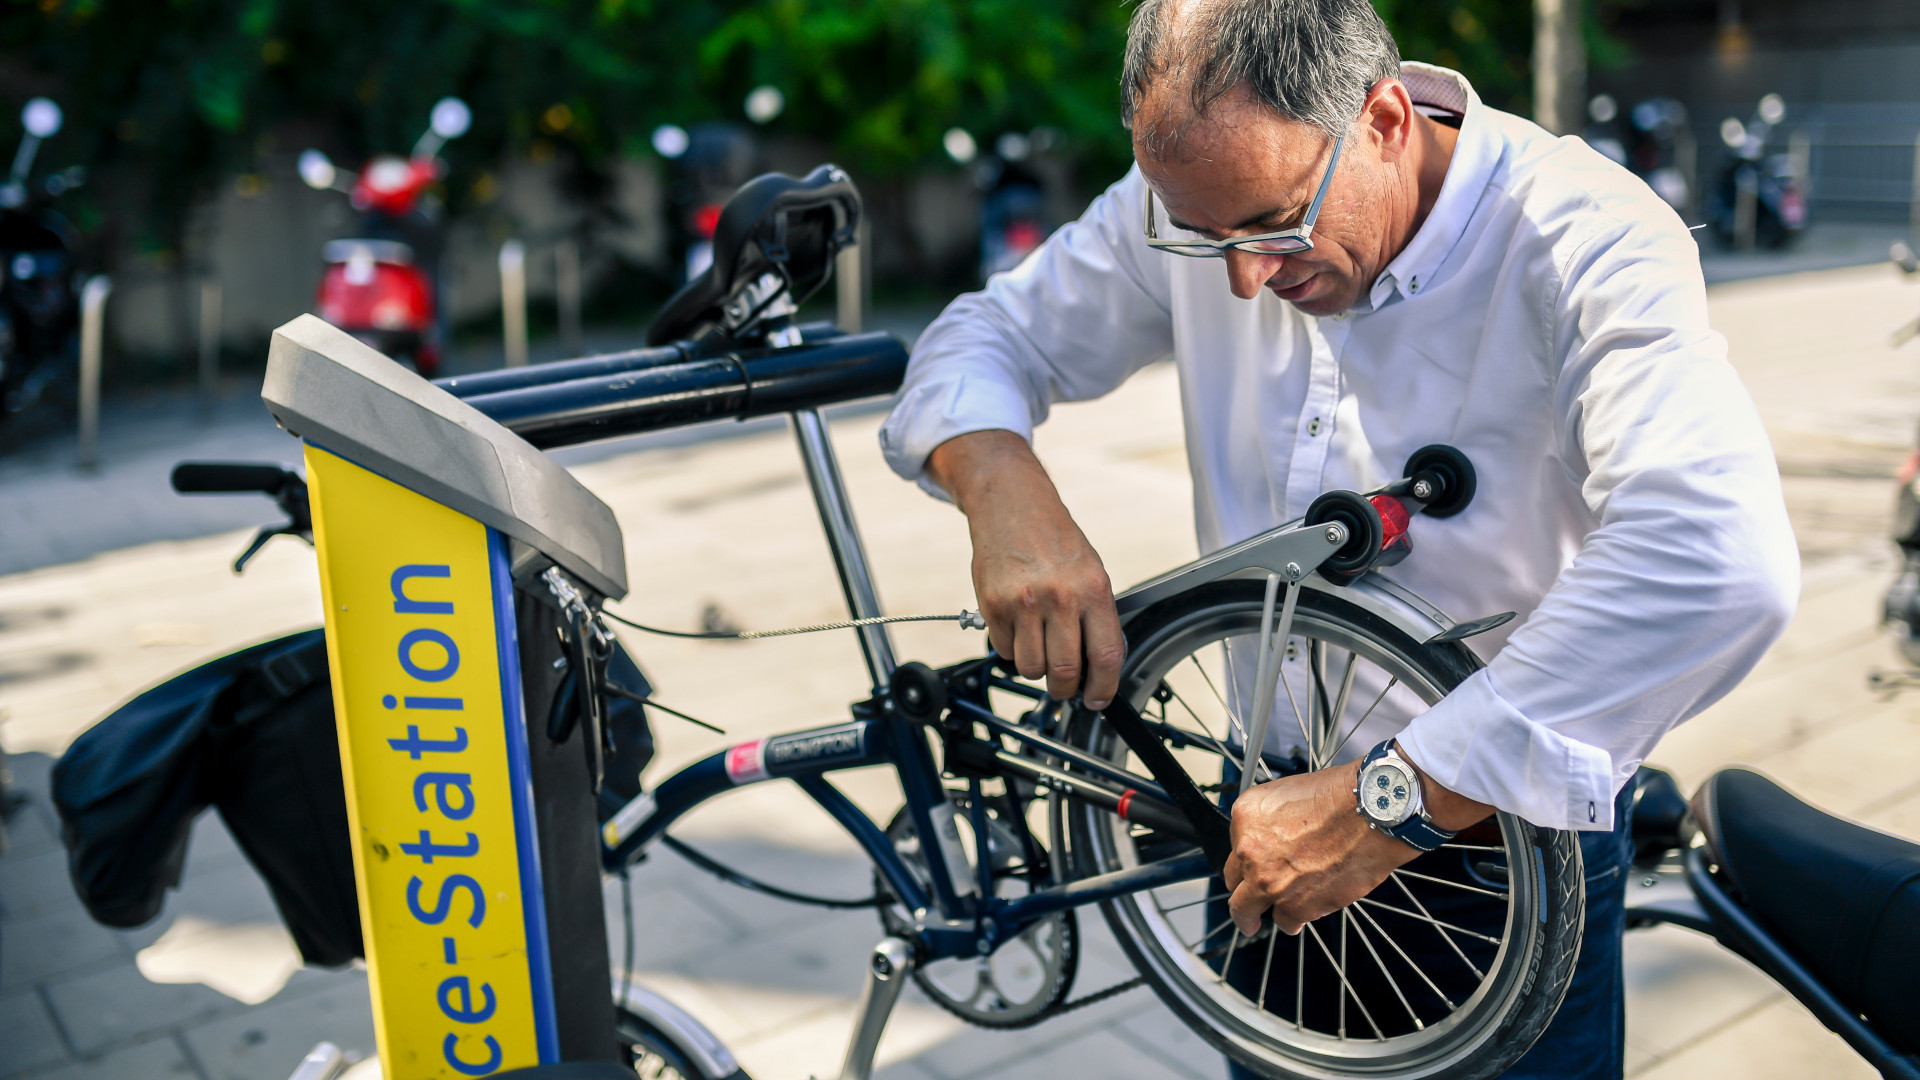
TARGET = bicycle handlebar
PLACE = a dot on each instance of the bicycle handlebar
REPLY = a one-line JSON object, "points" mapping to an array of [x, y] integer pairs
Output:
{"points": [[644, 390], [196, 477]]}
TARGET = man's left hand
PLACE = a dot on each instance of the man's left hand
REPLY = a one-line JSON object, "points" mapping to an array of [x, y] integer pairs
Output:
{"points": [[1302, 851]]}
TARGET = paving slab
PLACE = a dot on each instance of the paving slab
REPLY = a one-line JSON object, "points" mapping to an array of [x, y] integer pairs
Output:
{"points": [[266, 1042], [158, 1058], [28, 1034]]}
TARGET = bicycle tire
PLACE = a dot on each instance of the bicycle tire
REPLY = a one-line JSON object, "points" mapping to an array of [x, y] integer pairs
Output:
{"points": [[653, 1054], [1528, 971]]}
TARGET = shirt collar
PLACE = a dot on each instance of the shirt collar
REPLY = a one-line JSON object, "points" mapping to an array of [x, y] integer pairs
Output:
{"points": [[1438, 90]]}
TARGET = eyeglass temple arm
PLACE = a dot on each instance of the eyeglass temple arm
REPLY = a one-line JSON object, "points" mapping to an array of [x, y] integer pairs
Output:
{"points": [[1313, 208]]}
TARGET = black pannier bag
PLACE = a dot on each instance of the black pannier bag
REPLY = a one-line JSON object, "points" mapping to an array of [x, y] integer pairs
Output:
{"points": [[252, 734]]}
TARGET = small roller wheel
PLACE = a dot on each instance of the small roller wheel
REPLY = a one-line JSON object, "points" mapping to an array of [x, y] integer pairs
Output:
{"points": [[1364, 534], [1449, 474]]}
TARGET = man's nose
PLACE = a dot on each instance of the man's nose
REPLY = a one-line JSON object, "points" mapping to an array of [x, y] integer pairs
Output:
{"points": [[1248, 273]]}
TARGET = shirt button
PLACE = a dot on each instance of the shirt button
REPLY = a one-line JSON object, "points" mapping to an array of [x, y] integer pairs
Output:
{"points": [[1416, 284], [1313, 426]]}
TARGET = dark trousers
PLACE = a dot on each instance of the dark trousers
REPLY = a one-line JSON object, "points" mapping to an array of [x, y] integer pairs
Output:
{"points": [[1586, 1039]]}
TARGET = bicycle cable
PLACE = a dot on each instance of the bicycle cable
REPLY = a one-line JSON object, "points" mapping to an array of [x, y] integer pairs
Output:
{"points": [[968, 620], [734, 877]]}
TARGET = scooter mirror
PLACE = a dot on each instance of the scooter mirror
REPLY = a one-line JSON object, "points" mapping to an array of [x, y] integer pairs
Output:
{"points": [[451, 118], [316, 170], [1773, 109], [41, 118]]}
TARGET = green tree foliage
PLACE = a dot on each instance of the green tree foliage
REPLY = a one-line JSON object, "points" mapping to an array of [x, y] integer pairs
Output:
{"points": [[165, 97]]}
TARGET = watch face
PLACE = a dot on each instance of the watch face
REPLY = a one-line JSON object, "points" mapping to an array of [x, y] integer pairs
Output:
{"points": [[1386, 793]]}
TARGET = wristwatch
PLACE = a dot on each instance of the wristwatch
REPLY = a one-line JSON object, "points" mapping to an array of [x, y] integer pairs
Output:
{"points": [[1390, 799]]}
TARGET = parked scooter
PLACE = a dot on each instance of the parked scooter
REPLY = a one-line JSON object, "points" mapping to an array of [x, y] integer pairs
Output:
{"points": [[39, 306], [382, 286], [1766, 186], [1828, 909]]}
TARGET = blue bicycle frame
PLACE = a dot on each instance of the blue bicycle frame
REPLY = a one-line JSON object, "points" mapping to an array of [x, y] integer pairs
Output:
{"points": [[953, 920]]}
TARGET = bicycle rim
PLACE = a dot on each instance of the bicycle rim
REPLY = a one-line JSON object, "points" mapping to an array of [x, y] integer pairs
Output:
{"points": [[1451, 967]]}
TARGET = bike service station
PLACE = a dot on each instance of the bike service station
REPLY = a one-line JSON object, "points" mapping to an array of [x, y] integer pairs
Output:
{"points": [[487, 719]]}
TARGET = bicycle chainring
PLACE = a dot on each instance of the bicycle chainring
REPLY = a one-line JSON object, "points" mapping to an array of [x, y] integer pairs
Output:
{"points": [[1026, 979]]}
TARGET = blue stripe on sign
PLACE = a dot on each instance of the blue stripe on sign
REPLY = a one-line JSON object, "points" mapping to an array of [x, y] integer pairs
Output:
{"points": [[533, 897]]}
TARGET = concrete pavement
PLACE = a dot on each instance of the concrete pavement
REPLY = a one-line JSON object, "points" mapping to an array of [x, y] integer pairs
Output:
{"points": [[730, 523]]}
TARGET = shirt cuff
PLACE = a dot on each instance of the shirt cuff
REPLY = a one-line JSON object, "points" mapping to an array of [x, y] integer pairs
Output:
{"points": [[1474, 743], [930, 414]]}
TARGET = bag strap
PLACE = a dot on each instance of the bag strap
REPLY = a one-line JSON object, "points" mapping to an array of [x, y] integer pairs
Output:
{"points": [[288, 671]]}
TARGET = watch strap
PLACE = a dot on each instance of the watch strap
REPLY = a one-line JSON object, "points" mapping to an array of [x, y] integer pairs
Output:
{"points": [[1420, 832]]}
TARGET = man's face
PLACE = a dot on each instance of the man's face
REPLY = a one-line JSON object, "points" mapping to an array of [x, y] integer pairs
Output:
{"points": [[1241, 169]]}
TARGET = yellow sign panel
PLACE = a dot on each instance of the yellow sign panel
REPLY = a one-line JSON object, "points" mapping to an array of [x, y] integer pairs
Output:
{"points": [[427, 697]]}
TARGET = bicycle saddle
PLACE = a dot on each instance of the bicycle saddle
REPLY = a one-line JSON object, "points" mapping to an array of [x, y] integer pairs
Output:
{"points": [[1844, 897], [778, 224]]}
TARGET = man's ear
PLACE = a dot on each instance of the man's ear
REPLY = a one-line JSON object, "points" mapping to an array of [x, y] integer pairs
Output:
{"points": [[1388, 114]]}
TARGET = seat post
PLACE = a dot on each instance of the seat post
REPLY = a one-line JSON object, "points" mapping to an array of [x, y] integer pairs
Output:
{"points": [[843, 539]]}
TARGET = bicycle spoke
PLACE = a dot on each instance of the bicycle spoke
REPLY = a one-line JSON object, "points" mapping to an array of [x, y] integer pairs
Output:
{"points": [[1417, 969], [1233, 724], [1187, 904], [1208, 732], [1455, 884], [1438, 924], [1339, 706], [1391, 683], [1419, 1025], [1194, 945], [1227, 964], [1341, 971], [1299, 981], [1343, 974], [1266, 972]]}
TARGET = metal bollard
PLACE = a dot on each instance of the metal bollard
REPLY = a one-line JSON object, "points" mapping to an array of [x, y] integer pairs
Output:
{"points": [[513, 301], [850, 283], [1746, 208], [1913, 219], [209, 342], [566, 292], [93, 306]]}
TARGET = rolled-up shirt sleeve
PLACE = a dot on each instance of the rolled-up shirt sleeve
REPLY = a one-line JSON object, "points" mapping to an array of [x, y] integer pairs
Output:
{"points": [[1690, 576], [1087, 309]]}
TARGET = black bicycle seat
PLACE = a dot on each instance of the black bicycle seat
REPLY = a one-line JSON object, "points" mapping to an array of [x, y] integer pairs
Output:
{"points": [[775, 223], [1844, 897]]}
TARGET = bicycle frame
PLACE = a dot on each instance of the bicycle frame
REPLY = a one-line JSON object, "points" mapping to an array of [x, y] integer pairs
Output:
{"points": [[953, 918]]}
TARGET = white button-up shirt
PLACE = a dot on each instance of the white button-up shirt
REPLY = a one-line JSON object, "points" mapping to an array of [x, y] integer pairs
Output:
{"points": [[1548, 319]]}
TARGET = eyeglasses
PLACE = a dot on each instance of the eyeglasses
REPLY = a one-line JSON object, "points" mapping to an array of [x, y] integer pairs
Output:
{"points": [[1285, 242]]}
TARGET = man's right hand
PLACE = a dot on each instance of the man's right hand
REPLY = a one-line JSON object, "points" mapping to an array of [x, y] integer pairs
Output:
{"points": [[1040, 585]]}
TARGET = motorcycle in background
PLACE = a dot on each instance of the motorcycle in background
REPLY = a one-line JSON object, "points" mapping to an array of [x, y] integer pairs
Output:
{"points": [[382, 286], [1771, 184], [1648, 143], [39, 290]]}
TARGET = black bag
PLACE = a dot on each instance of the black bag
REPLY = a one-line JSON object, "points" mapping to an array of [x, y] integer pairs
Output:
{"points": [[252, 733]]}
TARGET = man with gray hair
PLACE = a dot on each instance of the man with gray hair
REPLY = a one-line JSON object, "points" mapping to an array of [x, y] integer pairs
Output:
{"points": [[1350, 257]]}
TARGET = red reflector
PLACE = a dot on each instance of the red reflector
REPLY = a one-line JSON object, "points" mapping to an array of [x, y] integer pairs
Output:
{"points": [[705, 220], [1126, 800], [1393, 519]]}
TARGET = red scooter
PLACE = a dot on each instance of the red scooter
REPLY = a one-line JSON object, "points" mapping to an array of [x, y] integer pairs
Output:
{"points": [[380, 286]]}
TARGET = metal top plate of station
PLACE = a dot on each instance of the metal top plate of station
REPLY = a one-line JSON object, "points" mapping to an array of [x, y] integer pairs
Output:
{"points": [[335, 391]]}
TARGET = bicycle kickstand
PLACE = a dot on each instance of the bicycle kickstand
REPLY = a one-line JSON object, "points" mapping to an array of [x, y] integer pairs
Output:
{"points": [[887, 970]]}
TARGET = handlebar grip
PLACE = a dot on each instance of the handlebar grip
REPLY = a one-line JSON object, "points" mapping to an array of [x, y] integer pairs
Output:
{"points": [[193, 477]]}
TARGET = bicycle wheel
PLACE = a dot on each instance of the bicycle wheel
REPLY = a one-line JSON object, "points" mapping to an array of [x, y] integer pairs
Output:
{"points": [[1451, 967], [654, 1055]]}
